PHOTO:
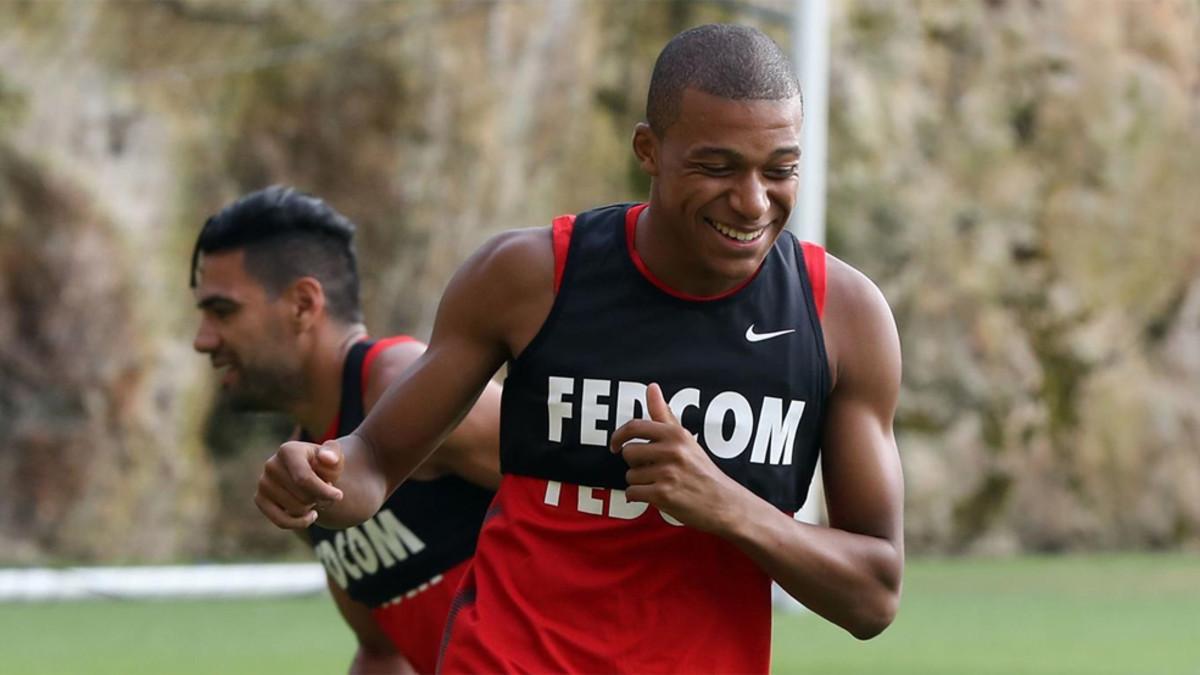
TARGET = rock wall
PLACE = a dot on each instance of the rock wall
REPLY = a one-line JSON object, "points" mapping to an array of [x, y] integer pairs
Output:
{"points": [[1020, 178], [1017, 176]]}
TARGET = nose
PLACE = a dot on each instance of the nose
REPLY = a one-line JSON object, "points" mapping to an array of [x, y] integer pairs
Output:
{"points": [[749, 198], [207, 340]]}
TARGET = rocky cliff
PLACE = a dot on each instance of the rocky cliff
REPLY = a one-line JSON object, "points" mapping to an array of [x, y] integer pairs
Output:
{"points": [[1018, 177]]}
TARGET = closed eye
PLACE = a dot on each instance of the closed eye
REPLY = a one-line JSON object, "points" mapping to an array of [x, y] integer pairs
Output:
{"points": [[782, 172], [221, 308]]}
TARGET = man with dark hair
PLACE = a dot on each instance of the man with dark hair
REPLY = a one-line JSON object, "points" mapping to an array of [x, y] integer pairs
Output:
{"points": [[673, 369], [751, 67], [275, 279], [286, 235]]}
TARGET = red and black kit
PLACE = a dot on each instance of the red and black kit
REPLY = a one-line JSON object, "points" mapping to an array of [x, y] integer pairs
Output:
{"points": [[407, 560], [570, 576]]}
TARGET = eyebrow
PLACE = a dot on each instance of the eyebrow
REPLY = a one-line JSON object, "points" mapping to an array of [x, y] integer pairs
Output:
{"points": [[215, 302], [735, 156]]}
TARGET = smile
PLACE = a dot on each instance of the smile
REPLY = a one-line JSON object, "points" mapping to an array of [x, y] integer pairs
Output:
{"points": [[736, 235]]}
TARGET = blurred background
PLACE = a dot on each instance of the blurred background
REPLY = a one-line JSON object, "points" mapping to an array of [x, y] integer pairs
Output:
{"points": [[1020, 177]]}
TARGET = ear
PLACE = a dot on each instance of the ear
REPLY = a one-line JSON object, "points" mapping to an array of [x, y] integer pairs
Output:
{"points": [[645, 147], [306, 300]]}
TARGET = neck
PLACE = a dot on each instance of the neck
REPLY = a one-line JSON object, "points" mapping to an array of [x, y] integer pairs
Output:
{"points": [[317, 409], [667, 259]]}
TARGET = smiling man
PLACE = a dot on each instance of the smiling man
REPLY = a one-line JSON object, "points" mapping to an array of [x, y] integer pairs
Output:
{"points": [[674, 367], [276, 282]]}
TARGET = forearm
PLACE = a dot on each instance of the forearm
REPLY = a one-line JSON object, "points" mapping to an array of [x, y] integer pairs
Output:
{"points": [[398, 440], [363, 484], [853, 580]]}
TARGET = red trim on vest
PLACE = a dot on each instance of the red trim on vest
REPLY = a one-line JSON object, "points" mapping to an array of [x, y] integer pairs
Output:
{"points": [[631, 218], [561, 231], [814, 261], [331, 432], [377, 349]]}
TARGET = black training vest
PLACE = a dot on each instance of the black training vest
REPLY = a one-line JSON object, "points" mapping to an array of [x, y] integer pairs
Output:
{"points": [[423, 529], [756, 400]]}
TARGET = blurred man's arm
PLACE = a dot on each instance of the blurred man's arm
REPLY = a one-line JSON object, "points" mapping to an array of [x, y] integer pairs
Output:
{"points": [[375, 654]]}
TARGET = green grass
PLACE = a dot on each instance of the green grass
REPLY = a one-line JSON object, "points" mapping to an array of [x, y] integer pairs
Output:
{"points": [[293, 636], [1094, 615], [1136, 615]]}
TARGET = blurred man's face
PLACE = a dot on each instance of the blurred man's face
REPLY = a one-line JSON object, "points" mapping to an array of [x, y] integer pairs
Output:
{"points": [[246, 334], [726, 178]]}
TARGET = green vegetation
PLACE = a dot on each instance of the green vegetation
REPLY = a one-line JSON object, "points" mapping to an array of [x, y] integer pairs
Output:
{"points": [[1118, 614], [1063, 615], [293, 636]]}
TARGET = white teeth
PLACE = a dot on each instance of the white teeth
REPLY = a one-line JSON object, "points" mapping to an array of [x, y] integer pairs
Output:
{"points": [[736, 234]]}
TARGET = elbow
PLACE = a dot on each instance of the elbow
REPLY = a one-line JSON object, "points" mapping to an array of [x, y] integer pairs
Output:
{"points": [[875, 615], [879, 605]]}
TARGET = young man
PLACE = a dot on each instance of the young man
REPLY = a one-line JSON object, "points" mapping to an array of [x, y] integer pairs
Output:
{"points": [[673, 369], [275, 279]]}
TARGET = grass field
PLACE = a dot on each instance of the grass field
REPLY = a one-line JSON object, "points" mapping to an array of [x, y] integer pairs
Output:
{"points": [[1115, 614]]}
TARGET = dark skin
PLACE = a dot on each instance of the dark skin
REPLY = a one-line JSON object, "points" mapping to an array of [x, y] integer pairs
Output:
{"points": [[723, 184], [286, 354]]}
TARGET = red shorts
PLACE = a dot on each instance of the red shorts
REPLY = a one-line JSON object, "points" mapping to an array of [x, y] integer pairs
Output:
{"points": [[415, 622]]}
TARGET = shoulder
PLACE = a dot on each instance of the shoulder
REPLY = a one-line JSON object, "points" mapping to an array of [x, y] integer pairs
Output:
{"points": [[387, 360], [515, 257], [503, 289], [511, 261], [391, 356], [860, 332], [849, 291]]}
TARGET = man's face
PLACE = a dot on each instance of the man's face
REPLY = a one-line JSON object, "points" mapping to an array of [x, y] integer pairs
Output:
{"points": [[246, 333], [725, 180]]}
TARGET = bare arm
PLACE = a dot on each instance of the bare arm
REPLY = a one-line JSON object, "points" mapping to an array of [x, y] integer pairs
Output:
{"points": [[491, 309], [472, 450], [849, 572], [376, 653]]}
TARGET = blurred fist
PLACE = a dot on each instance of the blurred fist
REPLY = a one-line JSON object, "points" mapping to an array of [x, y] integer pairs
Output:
{"points": [[297, 481], [328, 462]]}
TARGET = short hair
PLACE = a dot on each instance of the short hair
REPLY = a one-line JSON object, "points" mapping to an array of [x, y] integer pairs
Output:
{"points": [[726, 60], [287, 234]]}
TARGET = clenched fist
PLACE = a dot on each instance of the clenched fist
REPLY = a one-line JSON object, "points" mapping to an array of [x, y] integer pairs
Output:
{"points": [[297, 481]]}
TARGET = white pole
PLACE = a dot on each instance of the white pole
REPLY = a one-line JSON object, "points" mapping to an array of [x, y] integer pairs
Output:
{"points": [[810, 45], [810, 51]]}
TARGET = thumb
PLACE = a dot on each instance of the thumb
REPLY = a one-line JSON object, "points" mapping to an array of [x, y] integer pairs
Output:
{"points": [[657, 406], [328, 461]]}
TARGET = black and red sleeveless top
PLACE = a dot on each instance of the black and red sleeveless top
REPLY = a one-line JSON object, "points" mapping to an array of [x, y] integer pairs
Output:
{"points": [[423, 529], [570, 576]]}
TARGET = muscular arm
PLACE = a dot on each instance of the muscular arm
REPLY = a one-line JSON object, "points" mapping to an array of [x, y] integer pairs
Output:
{"points": [[472, 450], [491, 309], [848, 572]]}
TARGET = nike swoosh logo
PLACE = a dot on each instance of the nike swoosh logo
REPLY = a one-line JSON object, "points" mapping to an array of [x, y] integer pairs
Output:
{"points": [[751, 336]]}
